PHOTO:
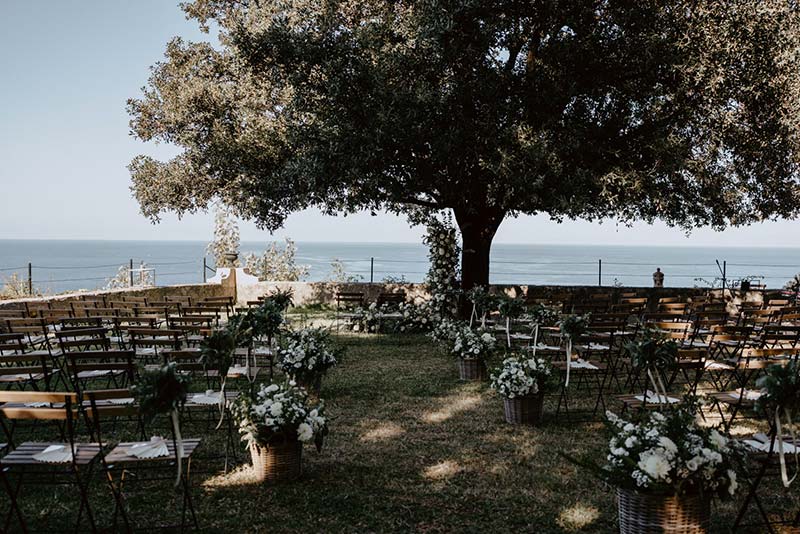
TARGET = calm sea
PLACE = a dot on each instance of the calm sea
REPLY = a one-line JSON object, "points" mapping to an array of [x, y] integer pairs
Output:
{"points": [[66, 265]]}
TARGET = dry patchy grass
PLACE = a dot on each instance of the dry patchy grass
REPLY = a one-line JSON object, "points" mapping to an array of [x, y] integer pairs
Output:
{"points": [[411, 449]]}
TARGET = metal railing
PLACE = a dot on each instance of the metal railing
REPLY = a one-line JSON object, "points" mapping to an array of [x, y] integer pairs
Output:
{"points": [[603, 272]]}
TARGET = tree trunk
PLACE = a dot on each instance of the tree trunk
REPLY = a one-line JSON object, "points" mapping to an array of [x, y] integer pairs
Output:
{"points": [[477, 232]]}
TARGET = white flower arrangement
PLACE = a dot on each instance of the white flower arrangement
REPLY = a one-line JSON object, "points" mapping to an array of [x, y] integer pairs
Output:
{"points": [[279, 413], [307, 354], [445, 331], [472, 344], [670, 453], [444, 253], [520, 377], [367, 319]]}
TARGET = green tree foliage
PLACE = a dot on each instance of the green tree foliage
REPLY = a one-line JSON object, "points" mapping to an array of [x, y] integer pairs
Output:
{"points": [[681, 110]]}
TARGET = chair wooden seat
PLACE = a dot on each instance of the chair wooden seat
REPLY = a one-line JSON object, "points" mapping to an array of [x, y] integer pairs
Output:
{"points": [[85, 453], [119, 454], [562, 366], [21, 377], [719, 366], [731, 397], [630, 401], [190, 403]]}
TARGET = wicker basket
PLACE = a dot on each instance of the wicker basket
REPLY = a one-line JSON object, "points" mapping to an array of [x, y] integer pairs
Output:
{"points": [[280, 462], [525, 410], [472, 369], [312, 387], [641, 513]]}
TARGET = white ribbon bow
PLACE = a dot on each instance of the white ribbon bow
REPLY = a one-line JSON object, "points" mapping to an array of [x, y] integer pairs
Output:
{"points": [[784, 474], [176, 428]]}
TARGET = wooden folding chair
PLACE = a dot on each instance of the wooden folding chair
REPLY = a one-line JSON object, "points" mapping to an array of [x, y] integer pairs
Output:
{"points": [[346, 302], [763, 451], [149, 342], [115, 369], [35, 329], [122, 466], [27, 370], [22, 462]]}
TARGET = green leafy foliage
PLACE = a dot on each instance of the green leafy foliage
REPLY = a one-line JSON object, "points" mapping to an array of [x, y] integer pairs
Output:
{"points": [[574, 326], [160, 391], [676, 110], [217, 350], [780, 388], [510, 307], [651, 350], [543, 315]]}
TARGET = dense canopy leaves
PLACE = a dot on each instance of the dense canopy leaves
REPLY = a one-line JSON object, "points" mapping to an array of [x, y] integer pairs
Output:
{"points": [[681, 110]]}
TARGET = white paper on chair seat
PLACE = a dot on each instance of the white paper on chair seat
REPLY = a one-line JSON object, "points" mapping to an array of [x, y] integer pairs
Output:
{"points": [[542, 346], [54, 454], [237, 370], [764, 447], [92, 374], [20, 376], [126, 400], [595, 346], [652, 398], [155, 448], [209, 397], [582, 364], [750, 394]]}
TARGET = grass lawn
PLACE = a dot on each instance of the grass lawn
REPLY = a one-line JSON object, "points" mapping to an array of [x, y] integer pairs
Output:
{"points": [[411, 449]]}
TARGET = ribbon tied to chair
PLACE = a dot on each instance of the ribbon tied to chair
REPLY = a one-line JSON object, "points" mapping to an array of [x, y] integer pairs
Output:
{"points": [[781, 454], [176, 428]]}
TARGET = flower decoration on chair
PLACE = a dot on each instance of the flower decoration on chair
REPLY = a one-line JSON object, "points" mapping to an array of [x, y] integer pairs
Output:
{"points": [[277, 413], [668, 453], [216, 354], [519, 376], [780, 398], [163, 391], [653, 353], [572, 327], [307, 354], [483, 304], [543, 315], [470, 344], [283, 298], [510, 309]]}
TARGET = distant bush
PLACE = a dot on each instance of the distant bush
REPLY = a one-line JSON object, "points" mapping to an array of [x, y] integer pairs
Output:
{"points": [[15, 287], [275, 264]]}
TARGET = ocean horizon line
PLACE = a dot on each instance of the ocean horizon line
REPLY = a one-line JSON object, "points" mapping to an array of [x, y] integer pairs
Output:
{"points": [[369, 242]]}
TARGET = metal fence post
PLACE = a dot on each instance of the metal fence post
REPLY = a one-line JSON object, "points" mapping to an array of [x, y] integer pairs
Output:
{"points": [[600, 273], [724, 276], [204, 269], [371, 270], [30, 279], [130, 272]]}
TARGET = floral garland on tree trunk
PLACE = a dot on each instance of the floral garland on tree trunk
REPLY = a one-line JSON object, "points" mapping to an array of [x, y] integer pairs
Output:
{"points": [[444, 254]]}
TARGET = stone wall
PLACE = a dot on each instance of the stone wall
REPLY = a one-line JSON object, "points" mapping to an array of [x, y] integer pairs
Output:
{"points": [[305, 293], [196, 291]]}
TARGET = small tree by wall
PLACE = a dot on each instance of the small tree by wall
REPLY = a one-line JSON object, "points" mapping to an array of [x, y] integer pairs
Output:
{"points": [[277, 264], [226, 238]]}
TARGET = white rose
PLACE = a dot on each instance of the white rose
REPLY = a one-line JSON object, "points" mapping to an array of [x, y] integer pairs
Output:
{"points": [[734, 485], [305, 432], [276, 409], [655, 465]]}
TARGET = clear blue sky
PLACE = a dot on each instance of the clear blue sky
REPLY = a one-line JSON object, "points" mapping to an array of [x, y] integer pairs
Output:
{"points": [[67, 68]]}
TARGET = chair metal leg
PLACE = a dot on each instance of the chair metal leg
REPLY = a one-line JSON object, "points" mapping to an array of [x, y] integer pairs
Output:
{"points": [[13, 493]]}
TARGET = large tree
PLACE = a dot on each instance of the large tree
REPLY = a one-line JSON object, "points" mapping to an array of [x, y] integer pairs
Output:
{"points": [[679, 110]]}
